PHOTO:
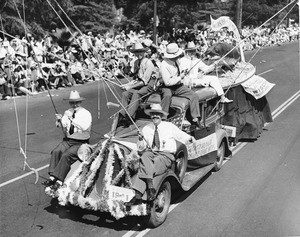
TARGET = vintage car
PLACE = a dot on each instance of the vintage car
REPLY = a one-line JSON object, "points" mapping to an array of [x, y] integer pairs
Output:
{"points": [[103, 180]]}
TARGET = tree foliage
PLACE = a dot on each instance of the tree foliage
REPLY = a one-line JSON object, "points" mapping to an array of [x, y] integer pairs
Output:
{"points": [[99, 16]]}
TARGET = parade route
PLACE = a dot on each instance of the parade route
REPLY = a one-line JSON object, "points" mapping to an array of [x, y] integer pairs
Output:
{"points": [[254, 194]]}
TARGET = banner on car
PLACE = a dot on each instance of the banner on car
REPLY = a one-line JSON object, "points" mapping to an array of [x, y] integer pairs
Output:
{"points": [[202, 146]]}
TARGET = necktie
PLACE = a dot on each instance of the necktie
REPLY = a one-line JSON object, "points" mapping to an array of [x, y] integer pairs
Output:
{"points": [[138, 65], [178, 70], [71, 131], [155, 139]]}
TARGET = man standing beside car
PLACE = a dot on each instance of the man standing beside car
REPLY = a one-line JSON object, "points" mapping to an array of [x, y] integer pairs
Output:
{"points": [[157, 142]]}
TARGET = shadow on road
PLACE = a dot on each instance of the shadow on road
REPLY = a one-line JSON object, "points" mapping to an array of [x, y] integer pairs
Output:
{"points": [[94, 218]]}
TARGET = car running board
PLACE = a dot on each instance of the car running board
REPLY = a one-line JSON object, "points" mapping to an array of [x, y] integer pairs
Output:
{"points": [[192, 177]]}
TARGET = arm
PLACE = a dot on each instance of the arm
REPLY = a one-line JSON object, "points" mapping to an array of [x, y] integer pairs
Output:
{"points": [[146, 71], [83, 121], [169, 77], [205, 68]]}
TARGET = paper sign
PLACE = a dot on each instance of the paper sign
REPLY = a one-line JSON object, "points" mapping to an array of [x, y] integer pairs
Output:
{"points": [[230, 130], [202, 146], [120, 194], [257, 86]]}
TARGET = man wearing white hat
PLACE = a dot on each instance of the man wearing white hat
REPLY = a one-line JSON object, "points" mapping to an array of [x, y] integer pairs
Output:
{"points": [[172, 77], [76, 123], [196, 72], [162, 137]]}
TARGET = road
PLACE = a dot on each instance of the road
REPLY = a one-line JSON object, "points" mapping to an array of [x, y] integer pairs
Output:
{"points": [[256, 193]]}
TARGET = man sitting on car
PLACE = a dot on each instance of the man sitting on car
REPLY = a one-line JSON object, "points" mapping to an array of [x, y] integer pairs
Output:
{"points": [[157, 141]]}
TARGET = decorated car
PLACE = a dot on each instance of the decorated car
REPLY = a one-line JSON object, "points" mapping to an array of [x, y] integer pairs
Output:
{"points": [[102, 181]]}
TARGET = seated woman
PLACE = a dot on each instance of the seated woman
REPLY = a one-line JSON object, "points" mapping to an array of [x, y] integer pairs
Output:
{"points": [[196, 70]]}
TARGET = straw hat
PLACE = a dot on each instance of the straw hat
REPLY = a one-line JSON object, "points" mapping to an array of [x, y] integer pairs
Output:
{"points": [[191, 46], [147, 42], [137, 48], [156, 108], [75, 97], [172, 51]]}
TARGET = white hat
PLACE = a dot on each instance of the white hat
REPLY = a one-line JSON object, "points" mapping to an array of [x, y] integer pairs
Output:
{"points": [[5, 44], [191, 46], [172, 51], [138, 47], [156, 108], [147, 42], [74, 97]]}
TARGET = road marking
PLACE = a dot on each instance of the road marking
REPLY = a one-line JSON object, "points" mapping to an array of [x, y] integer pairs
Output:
{"points": [[22, 176], [236, 149], [265, 72]]}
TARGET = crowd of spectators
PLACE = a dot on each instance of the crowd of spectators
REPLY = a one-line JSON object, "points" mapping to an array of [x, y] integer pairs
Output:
{"points": [[30, 66]]}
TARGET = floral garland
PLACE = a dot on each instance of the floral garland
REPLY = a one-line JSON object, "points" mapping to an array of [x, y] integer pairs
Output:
{"points": [[75, 185], [76, 188], [117, 208]]}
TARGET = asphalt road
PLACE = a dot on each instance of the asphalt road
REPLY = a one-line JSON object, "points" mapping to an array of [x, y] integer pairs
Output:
{"points": [[256, 193]]}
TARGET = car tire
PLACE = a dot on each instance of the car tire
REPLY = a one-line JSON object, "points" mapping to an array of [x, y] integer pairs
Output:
{"points": [[180, 165], [160, 206], [220, 156]]}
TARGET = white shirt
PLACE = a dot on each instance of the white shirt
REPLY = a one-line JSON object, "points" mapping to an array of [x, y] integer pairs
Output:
{"points": [[82, 123], [168, 134], [169, 72]]}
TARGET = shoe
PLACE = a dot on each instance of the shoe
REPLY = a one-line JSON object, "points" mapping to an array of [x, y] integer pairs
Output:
{"points": [[49, 182], [225, 100], [197, 122], [56, 186], [151, 193], [124, 121]]}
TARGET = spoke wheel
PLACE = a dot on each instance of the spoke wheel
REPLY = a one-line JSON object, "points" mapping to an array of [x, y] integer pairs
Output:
{"points": [[160, 206]]}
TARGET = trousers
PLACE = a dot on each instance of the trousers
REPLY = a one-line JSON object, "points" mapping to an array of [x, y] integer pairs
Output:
{"points": [[151, 164], [181, 91], [62, 157], [131, 98]]}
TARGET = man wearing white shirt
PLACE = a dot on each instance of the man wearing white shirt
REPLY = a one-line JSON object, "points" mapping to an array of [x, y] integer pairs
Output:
{"points": [[76, 123], [155, 160], [172, 76], [196, 72]]}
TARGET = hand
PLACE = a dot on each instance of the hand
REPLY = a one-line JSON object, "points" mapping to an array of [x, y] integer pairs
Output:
{"points": [[58, 117], [183, 74], [68, 114], [140, 136]]}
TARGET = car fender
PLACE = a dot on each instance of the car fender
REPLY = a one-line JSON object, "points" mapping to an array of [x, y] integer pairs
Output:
{"points": [[222, 137]]}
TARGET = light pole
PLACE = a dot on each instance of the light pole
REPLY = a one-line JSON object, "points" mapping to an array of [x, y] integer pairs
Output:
{"points": [[154, 22], [238, 14]]}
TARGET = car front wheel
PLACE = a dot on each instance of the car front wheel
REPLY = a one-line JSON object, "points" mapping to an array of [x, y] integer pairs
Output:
{"points": [[160, 206]]}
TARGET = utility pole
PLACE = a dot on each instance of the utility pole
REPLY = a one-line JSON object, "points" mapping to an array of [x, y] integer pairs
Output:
{"points": [[154, 22], [238, 14]]}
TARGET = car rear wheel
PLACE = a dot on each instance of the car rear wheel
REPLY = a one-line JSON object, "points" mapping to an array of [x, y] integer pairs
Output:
{"points": [[160, 206], [180, 166], [220, 156]]}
